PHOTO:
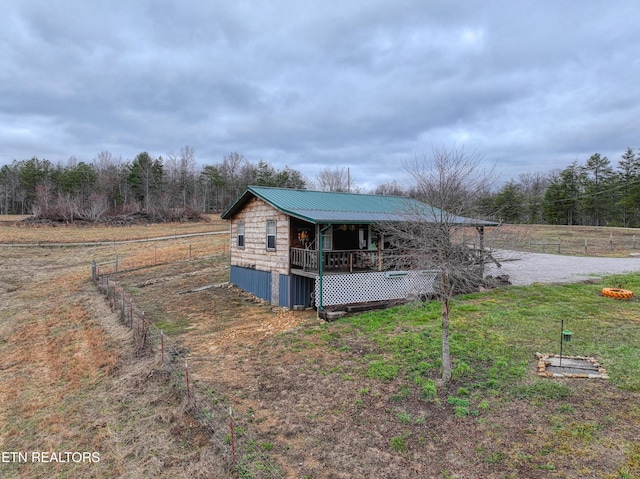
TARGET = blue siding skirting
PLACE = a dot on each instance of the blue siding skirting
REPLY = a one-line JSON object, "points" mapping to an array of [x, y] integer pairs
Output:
{"points": [[252, 281], [301, 288], [293, 290]]}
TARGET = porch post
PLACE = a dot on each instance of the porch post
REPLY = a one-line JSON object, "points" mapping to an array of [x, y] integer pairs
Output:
{"points": [[480, 230], [321, 263]]}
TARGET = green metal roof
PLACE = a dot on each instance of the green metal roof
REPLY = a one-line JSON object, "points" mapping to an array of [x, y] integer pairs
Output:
{"points": [[346, 208]]}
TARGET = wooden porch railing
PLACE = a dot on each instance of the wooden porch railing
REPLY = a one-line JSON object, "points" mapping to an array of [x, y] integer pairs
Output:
{"points": [[346, 260], [304, 258], [350, 260]]}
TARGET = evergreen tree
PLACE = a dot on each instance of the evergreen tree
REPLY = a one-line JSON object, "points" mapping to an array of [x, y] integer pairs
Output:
{"points": [[33, 172], [508, 203], [533, 187], [597, 176], [145, 179], [212, 183], [561, 204], [628, 176]]}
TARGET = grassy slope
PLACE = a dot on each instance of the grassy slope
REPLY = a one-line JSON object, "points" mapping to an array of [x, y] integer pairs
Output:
{"points": [[501, 419]]}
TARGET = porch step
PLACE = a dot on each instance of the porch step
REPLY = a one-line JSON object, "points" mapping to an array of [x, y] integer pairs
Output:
{"points": [[333, 315], [358, 308]]}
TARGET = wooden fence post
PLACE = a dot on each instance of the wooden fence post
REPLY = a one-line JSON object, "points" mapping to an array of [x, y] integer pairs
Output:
{"points": [[123, 316], [610, 241]]}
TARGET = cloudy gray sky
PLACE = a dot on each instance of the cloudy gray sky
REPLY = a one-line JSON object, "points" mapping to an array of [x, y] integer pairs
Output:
{"points": [[528, 85]]}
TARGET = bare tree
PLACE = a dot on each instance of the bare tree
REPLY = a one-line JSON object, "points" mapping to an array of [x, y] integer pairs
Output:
{"points": [[336, 179], [112, 178], [534, 186], [392, 188], [188, 175], [98, 206], [67, 207], [180, 173], [448, 185], [42, 204], [233, 171], [10, 188]]}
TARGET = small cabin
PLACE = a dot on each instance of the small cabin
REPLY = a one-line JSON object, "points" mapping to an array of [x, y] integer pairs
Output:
{"points": [[318, 249]]}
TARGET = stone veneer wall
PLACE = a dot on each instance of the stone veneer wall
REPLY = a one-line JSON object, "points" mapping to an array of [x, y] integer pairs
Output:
{"points": [[255, 254]]}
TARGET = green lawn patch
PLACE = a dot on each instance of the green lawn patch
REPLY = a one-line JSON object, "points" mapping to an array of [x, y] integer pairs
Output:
{"points": [[495, 335]]}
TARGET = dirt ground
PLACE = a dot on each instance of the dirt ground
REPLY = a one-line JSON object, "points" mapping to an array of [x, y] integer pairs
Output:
{"points": [[298, 386]]}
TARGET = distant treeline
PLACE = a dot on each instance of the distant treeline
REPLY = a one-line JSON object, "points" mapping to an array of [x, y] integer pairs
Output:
{"points": [[166, 188], [595, 193], [591, 194]]}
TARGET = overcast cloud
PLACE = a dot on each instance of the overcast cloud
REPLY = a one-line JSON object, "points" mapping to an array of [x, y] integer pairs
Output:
{"points": [[529, 85]]}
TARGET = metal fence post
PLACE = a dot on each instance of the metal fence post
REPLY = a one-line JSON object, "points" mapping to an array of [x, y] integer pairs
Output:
{"points": [[123, 316]]}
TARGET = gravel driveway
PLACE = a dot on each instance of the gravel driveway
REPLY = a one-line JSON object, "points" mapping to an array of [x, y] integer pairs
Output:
{"points": [[527, 268]]}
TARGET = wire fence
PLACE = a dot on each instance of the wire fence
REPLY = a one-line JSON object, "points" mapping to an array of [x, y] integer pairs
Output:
{"points": [[237, 445], [158, 256], [618, 242], [604, 245]]}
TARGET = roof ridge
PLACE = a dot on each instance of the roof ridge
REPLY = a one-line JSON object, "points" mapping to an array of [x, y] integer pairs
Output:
{"points": [[253, 187]]}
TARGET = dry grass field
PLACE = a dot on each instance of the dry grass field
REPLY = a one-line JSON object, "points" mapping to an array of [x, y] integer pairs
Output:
{"points": [[569, 240], [14, 230], [306, 402], [69, 382]]}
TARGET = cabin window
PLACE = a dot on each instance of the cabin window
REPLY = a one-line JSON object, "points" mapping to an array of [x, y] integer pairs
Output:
{"points": [[271, 234], [241, 234], [327, 239]]}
